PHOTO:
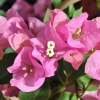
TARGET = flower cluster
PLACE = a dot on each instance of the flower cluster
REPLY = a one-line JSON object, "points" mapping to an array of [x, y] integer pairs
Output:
{"points": [[28, 10], [41, 45]]}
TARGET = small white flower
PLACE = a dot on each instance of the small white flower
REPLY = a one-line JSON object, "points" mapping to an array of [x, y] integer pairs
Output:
{"points": [[50, 44], [50, 52]]}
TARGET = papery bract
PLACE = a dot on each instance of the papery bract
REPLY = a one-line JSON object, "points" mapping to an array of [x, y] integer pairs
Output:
{"points": [[24, 8], [74, 57], [12, 13], [35, 25], [92, 67], [79, 33], [40, 7], [28, 74], [58, 18], [8, 90], [76, 23], [50, 66], [18, 41], [42, 39], [40, 48], [68, 39], [90, 34], [28, 10], [84, 31], [15, 22], [3, 34], [97, 21], [92, 95]]}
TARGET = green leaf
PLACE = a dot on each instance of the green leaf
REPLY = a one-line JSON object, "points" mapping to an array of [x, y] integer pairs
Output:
{"points": [[7, 61], [41, 94], [92, 88], [71, 10], [2, 2], [85, 57], [77, 12], [46, 17], [67, 96], [83, 81], [9, 50], [2, 96], [56, 2], [2, 13]]}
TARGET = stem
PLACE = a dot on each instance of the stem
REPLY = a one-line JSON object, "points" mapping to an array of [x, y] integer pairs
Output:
{"points": [[86, 87], [77, 90], [69, 75], [58, 92], [63, 83], [66, 3], [66, 83]]}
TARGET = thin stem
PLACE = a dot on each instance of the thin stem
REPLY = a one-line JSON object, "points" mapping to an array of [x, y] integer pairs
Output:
{"points": [[69, 75], [67, 3], [86, 87], [58, 92], [60, 79]]}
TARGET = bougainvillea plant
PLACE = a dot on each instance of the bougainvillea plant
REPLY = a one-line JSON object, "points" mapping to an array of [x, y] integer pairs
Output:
{"points": [[57, 59]]}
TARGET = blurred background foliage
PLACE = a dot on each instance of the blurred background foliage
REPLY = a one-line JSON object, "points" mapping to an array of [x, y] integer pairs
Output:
{"points": [[92, 7]]}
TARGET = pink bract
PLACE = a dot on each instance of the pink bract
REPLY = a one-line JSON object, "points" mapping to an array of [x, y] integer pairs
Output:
{"points": [[8, 90], [92, 67], [92, 95], [58, 18], [74, 57], [90, 34], [97, 21], [40, 48], [40, 8], [19, 40], [24, 69], [68, 39], [35, 25], [76, 23], [79, 34], [24, 8]]}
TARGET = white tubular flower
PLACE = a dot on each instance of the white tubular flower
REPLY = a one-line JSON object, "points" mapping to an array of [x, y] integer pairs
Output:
{"points": [[50, 44], [50, 52]]}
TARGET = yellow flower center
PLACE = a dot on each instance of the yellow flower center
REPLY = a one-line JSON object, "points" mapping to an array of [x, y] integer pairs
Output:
{"points": [[77, 35]]}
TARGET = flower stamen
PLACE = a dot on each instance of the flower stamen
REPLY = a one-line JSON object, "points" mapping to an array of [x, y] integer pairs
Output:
{"points": [[77, 34], [28, 69]]}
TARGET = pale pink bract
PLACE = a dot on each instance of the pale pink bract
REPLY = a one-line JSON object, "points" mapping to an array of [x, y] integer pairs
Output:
{"points": [[24, 69], [92, 67]]}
